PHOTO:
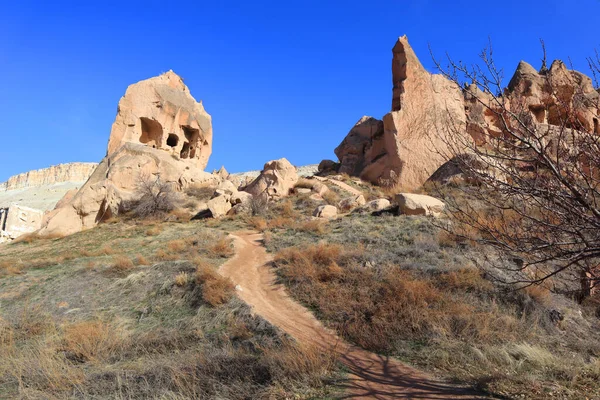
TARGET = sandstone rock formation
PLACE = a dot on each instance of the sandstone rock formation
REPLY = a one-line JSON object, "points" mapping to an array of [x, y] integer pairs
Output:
{"points": [[276, 180], [161, 113], [71, 172], [405, 147], [18, 220], [160, 132], [419, 204]]}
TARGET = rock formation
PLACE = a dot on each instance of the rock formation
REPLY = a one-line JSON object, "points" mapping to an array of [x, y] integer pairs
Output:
{"points": [[72, 172], [18, 220], [161, 113], [160, 132], [419, 204], [405, 147], [276, 180]]}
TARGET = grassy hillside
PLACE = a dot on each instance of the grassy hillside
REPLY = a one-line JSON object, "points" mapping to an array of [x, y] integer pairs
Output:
{"points": [[136, 310]]}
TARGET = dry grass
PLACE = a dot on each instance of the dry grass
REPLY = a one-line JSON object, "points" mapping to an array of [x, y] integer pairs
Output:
{"points": [[122, 263], [331, 197], [182, 279], [92, 340], [222, 248], [216, 289], [154, 230], [177, 246]]}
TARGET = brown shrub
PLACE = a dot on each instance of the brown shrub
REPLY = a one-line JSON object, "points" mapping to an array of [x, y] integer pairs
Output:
{"points": [[200, 192], [281, 222], [539, 293], [222, 248], [331, 197], [122, 263], [163, 255], [153, 231], [91, 340], [316, 226], [216, 289], [259, 223], [464, 280], [177, 246], [141, 260], [182, 279]]}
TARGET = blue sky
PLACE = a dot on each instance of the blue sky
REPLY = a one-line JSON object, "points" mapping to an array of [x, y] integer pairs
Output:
{"points": [[280, 78]]}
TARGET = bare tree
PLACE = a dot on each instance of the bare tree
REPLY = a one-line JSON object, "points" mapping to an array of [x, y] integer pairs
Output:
{"points": [[534, 172], [154, 197]]}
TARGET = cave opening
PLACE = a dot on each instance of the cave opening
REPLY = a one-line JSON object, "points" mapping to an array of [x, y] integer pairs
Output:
{"points": [[172, 140], [192, 137], [152, 132]]}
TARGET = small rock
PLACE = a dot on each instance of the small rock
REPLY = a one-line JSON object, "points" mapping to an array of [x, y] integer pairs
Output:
{"points": [[325, 211]]}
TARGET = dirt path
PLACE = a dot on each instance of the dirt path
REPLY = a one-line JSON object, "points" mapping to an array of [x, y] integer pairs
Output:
{"points": [[372, 376]]}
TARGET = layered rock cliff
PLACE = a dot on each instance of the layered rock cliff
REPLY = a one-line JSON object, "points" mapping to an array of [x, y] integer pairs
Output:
{"points": [[71, 172]]}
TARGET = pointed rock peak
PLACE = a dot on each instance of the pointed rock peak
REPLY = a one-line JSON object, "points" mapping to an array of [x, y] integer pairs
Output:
{"points": [[525, 68], [405, 63]]}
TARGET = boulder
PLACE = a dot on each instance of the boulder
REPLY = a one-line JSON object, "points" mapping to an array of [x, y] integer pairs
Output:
{"points": [[419, 204], [375, 205], [408, 145], [275, 181], [244, 198], [328, 167], [161, 113], [222, 173], [325, 211], [219, 206], [352, 202]]}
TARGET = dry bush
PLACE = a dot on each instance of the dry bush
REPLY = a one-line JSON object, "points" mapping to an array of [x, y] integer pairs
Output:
{"points": [[259, 223], [216, 289], [316, 226], [122, 263], [153, 231], [141, 260], [286, 209], [280, 222], [539, 293], [10, 267], [222, 248], [177, 246], [182, 279], [331, 197], [464, 280], [91, 340], [179, 215], [155, 197], [163, 255], [259, 205]]}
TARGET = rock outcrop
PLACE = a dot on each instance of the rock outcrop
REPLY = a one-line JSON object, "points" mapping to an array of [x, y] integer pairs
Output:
{"points": [[161, 113], [405, 148], [275, 181], [142, 146], [71, 172], [419, 204]]}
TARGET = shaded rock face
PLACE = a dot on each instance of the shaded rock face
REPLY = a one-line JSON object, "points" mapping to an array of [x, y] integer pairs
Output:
{"points": [[161, 113], [151, 114], [404, 148]]}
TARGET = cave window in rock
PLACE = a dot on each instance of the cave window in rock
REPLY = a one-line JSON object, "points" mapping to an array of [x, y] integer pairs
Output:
{"points": [[172, 140], [152, 132], [596, 126], [192, 137]]}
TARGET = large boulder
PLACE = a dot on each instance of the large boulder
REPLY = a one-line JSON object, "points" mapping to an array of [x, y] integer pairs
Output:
{"points": [[419, 204], [410, 143], [161, 113], [276, 180]]}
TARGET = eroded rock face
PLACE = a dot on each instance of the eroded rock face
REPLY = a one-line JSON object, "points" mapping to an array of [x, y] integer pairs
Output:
{"points": [[161, 113], [72, 172], [276, 180], [405, 147]]}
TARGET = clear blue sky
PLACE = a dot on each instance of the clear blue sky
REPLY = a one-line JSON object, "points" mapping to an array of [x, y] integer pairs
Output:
{"points": [[280, 78]]}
